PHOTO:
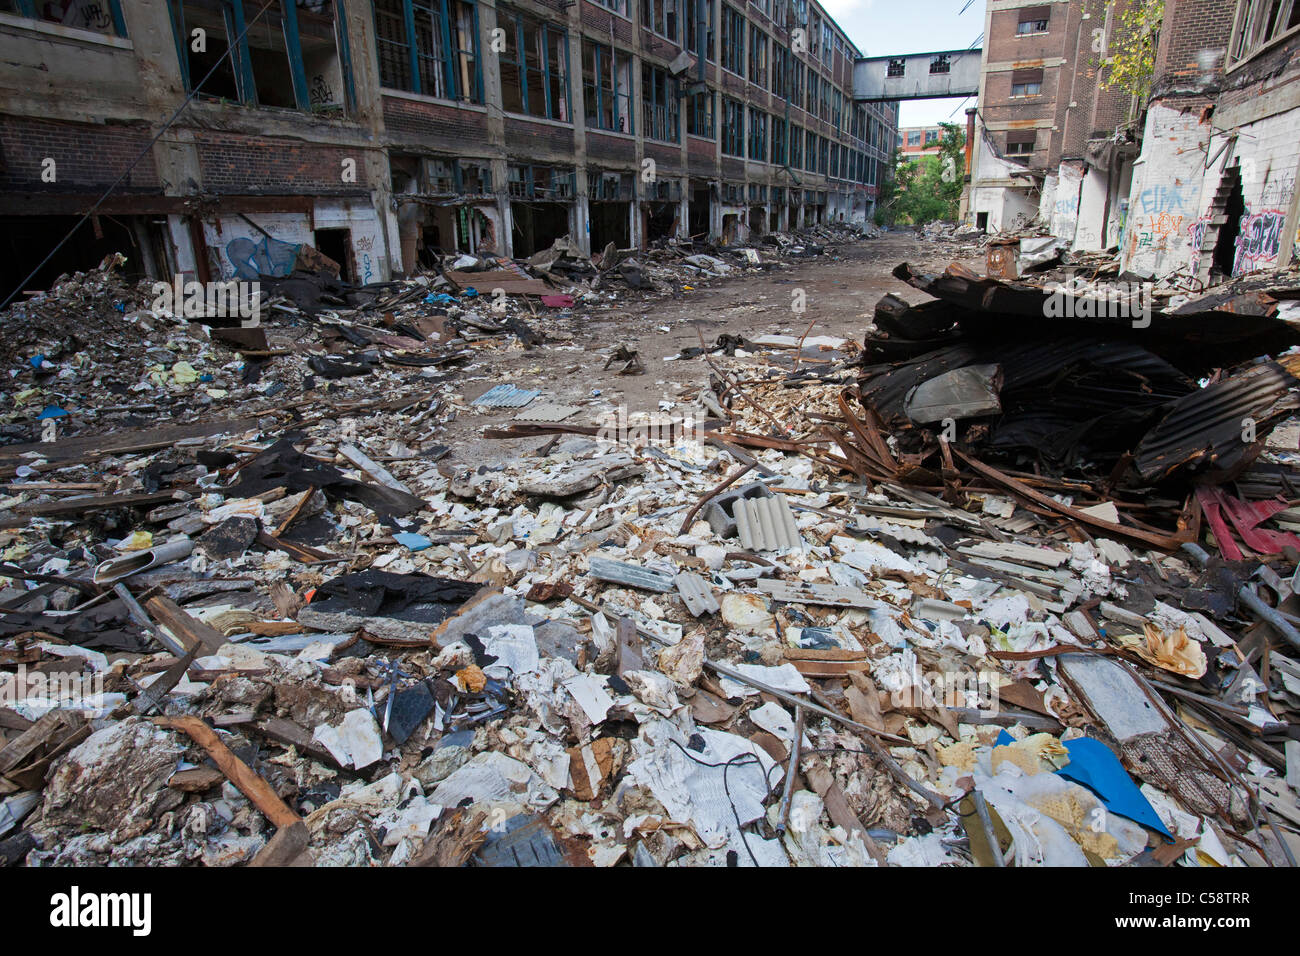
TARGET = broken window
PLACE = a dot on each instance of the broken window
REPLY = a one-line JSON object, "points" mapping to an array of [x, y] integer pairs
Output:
{"points": [[202, 51], [690, 18], [896, 67], [699, 116], [660, 104], [1259, 22], [810, 101], [607, 87], [1026, 82], [97, 16], [733, 40], [540, 182], [795, 159], [757, 56], [444, 60], [757, 135], [778, 141], [283, 54], [534, 67], [608, 187], [660, 16], [733, 127], [618, 6], [1033, 20], [940, 64], [810, 152]]}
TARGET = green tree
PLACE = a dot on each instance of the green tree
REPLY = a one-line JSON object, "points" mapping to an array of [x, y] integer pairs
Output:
{"points": [[1129, 53], [930, 188]]}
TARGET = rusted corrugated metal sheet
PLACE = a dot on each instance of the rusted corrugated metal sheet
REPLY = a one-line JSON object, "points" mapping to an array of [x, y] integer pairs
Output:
{"points": [[1216, 426]]}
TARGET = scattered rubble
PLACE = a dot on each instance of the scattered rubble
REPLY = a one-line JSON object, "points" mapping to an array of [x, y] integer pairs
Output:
{"points": [[938, 597]]}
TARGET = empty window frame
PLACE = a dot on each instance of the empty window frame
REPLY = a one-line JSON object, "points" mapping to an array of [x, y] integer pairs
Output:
{"points": [[733, 40], [810, 151], [1260, 22], [940, 64], [607, 87], [795, 159], [618, 6], [660, 105], [1026, 82], [660, 16], [1033, 20], [837, 109], [810, 99], [828, 42], [699, 115], [824, 99], [823, 161], [444, 60], [268, 66], [896, 67], [733, 127], [534, 67], [757, 56], [757, 135], [691, 27], [541, 182]]}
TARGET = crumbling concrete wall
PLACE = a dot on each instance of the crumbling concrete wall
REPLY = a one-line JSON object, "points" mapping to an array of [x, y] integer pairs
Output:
{"points": [[1268, 152], [1165, 200], [1064, 210]]}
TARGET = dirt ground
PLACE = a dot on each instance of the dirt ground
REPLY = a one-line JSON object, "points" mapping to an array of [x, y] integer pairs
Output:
{"points": [[841, 292]]}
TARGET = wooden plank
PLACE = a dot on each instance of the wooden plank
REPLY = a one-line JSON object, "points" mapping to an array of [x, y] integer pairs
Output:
{"points": [[250, 783], [187, 629]]}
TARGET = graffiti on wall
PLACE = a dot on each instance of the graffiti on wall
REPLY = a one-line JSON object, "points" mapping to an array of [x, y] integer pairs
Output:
{"points": [[262, 256], [1260, 240]]}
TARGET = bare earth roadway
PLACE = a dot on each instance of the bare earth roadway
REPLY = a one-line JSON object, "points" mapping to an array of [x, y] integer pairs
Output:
{"points": [[841, 292]]}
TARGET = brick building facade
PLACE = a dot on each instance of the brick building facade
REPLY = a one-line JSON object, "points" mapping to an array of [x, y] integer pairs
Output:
{"points": [[380, 131]]}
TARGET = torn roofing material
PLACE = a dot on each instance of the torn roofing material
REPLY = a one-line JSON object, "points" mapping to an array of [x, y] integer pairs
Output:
{"points": [[1221, 426]]}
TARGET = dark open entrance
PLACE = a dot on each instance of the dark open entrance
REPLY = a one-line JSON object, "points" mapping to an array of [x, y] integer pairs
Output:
{"points": [[1226, 210], [698, 211], [757, 217], [26, 240], [537, 225], [337, 244], [660, 220], [610, 223]]}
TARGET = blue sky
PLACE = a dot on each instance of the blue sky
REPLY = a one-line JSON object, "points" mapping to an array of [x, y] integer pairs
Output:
{"points": [[879, 27]]}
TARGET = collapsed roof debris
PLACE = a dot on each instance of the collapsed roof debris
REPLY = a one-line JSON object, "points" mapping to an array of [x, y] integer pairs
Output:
{"points": [[287, 618]]}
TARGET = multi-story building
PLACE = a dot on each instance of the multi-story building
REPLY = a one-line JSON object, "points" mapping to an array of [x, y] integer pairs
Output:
{"points": [[1025, 77], [917, 141], [379, 131]]}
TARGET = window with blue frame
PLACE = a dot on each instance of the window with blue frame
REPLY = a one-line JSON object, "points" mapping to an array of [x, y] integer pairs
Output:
{"points": [[733, 127], [534, 67], [699, 115], [607, 87], [443, 61], [778, 141], [733, 40], [96, 16], [660, 104], [757, 135], [290, 54]]}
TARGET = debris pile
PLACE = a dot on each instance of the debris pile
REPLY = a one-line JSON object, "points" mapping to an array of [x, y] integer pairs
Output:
{"points": [[794, 624]]}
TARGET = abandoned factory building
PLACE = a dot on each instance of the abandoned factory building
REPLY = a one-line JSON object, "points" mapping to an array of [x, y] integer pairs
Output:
{"points": [[381, 131]]}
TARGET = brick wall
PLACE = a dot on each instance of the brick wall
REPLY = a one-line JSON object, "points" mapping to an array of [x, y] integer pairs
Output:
{"points": [[529, 140], [408, 120], [1192, 28], [232, 163], [87, 156]]}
